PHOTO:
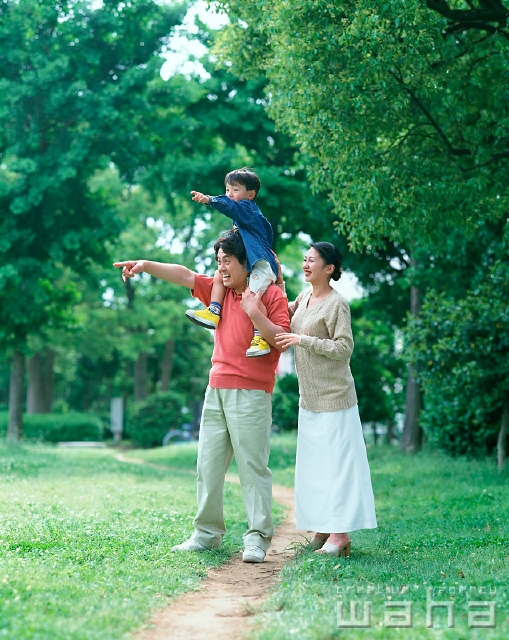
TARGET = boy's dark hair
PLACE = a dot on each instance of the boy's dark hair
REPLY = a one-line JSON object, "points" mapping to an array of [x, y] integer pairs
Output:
{"points": [[245, 177], [231, 243], [330, 255]]}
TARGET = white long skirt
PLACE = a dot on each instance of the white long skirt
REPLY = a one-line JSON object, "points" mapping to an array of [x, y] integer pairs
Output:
{"points": [[333, 492]]}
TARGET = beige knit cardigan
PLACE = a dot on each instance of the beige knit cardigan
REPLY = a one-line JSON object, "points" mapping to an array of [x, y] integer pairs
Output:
{"points": [[322, 357]]}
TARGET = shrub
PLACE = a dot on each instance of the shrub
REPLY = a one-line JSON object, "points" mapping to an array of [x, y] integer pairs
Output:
{"points": [[58, 427], [154, 417], [285, 402], [460, 349]]}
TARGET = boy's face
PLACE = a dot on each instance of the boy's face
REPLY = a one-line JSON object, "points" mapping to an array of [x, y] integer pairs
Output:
{"points": [[239, 192]]}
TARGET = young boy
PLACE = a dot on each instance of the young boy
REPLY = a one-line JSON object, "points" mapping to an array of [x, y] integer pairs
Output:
{"points": [[242, 186]]}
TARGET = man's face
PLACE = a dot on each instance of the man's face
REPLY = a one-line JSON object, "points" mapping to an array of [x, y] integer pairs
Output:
{"points": [[239, 192], [233, 273]]}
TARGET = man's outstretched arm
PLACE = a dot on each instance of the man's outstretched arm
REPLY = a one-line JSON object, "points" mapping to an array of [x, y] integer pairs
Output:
{"points": [[175, 273]]}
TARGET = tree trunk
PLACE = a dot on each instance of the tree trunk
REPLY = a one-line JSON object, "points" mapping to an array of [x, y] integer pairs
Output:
{"points": [[411, 439], [87, 395], [389, 435], [502, 436], [15, 428], [41, 380], [167, 365], [140, 377]]}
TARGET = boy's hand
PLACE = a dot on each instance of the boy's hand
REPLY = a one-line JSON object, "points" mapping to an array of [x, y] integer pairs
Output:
{"points": [[200, 197], [280, 282]]}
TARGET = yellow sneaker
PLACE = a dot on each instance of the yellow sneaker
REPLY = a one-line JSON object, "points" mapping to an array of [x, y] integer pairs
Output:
{"points": [[203, 318], [259, 347]]}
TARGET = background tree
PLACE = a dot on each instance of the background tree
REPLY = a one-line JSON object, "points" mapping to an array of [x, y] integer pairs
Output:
{"points": [[130, 340], [71, 78], [378, 370], [388, 101], [460, 349], [222, 124]]}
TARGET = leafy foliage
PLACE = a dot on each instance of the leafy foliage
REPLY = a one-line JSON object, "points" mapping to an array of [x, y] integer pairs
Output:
{"points": [[219, 124], [153, 417], [460, 348], [285, 402], [72, 80], [58, 427], [403, 107], [377, 367]]}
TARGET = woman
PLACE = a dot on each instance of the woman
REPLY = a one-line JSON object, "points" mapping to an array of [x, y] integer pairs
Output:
{"points": [[333, 493]]}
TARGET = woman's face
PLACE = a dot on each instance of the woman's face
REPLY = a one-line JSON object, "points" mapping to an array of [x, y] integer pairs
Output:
{"points": [[315, 270]]}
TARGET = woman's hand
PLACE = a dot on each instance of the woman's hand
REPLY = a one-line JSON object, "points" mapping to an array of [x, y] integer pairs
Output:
{"points": [[286, 340]]}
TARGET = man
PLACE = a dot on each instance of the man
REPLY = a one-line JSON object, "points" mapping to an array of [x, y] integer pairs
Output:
{"points": [[237, 412]]}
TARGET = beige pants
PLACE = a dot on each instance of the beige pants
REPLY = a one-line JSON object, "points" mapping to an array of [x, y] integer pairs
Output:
{"points": [[235, 422]]}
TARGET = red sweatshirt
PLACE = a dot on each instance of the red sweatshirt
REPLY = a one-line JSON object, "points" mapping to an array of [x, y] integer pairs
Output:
{"points": [[231, 369]]}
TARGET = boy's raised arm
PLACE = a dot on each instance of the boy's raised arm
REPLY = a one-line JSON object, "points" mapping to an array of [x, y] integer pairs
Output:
{"points": [[230, 208], [175, 273]]}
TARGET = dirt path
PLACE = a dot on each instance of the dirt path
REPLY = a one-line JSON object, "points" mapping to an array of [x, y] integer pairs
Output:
{"points": [[223, 605]]}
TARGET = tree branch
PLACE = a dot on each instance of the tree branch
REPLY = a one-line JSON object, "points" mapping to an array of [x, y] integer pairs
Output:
{"points": [[491, 16], [470, 46], [502, 155], [452, 150], [489, 12], [400, 140]]}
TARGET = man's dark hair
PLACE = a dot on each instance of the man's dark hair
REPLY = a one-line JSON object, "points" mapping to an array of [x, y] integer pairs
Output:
{"points": [[245, 177], [231, 243]]}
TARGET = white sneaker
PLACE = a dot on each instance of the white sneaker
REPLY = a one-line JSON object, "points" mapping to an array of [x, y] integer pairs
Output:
{"points": [[253, 554], [189, 545]]}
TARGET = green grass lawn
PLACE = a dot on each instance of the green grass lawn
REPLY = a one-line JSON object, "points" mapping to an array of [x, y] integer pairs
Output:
{"points": [[443, 525], [85, 540], [85, 545], [183, 456]]}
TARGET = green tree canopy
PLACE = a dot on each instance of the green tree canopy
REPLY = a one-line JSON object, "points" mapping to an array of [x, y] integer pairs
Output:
{"points": [[402, 106], [72, 81], [213, 126]]}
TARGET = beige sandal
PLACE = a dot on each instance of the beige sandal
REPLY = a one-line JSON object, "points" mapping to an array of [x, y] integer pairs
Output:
{"points": [[317, 543], [334, 550]]}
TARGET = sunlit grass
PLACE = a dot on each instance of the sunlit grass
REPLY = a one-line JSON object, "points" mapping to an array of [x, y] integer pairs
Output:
{"points": [[442, 525], [85, 541], [85, 545], [183, 456]]}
